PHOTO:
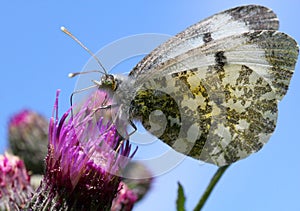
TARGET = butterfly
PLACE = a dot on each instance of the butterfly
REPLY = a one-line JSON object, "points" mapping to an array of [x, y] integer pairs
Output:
{"points": [[211, 92]]}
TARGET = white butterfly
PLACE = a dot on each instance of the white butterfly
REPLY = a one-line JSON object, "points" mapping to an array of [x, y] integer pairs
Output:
{"points": [[211, 91]]}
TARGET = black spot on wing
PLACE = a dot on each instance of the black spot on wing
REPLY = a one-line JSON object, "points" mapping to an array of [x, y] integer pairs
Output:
{"points": [[220, 59], [207, 37]]}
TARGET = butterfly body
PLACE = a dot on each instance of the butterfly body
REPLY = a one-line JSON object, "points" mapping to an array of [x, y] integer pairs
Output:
{"points": [[211, 92]]}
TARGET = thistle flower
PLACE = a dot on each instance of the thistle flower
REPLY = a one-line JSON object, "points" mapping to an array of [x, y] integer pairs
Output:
{"points": [[15, 186], [134, 186], [125, 199], [84, 163], [28, 132], [138, 178]]}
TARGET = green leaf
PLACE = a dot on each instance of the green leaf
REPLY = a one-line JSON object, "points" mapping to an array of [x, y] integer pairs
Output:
{"points": [[180, 198]]}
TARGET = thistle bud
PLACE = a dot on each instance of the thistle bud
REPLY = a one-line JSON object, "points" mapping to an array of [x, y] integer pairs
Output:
{"points": [[28, 133], [125, 199]]}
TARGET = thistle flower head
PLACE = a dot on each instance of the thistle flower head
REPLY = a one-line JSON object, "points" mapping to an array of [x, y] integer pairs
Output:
{"points": [[15, 186], [125, 199], [138, 178], [28, 131], [84, 162]]}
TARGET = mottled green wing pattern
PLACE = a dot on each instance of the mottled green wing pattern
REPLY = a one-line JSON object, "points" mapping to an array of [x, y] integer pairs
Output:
{"points": [[216, 99]]}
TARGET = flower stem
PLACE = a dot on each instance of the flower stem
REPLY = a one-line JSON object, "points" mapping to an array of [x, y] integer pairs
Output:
{"points": [[210, 187]]}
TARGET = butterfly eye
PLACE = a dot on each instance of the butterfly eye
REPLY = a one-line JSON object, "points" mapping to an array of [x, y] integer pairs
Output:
{"points": [[108, 81]]}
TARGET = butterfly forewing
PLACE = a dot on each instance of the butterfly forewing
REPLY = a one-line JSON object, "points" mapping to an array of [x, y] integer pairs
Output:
{"points": [[224, 24]]}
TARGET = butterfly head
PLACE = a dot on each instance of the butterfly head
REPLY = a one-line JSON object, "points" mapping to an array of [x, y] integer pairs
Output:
{"points": [[107, 81]]}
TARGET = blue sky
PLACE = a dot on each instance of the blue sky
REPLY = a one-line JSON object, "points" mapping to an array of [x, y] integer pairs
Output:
{"points": [[36, 58]]}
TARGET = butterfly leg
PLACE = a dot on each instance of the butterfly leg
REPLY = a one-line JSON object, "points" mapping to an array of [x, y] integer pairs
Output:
{"points": [[114, 120], [76, 92], [134, 127]]}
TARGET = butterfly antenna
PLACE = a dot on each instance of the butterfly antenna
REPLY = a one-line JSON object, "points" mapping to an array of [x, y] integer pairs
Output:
{"points": [[71, 75], [63, 29]]}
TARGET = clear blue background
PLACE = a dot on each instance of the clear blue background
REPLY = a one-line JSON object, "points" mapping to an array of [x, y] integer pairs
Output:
{"points": [[36, 58]]}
